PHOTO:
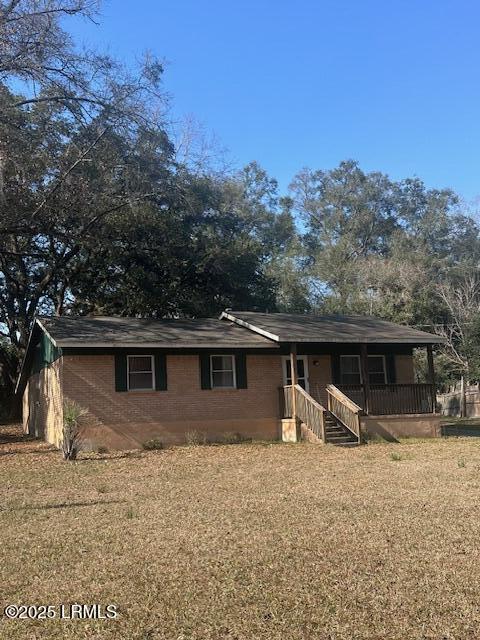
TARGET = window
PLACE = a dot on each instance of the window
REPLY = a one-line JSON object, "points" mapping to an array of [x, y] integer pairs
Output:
{"points": [[376, 370], [140, 373], [351, 372], [222, 371]]}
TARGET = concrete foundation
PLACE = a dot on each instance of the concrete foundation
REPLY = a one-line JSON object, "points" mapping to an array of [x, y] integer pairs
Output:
{"points": [[402, 426], [290, 430]]}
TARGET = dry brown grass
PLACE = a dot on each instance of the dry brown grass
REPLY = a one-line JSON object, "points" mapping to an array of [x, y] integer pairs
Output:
{"points": [[247, 541]]}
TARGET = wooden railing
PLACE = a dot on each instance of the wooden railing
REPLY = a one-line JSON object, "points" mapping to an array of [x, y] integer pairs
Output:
{"points": [[308, 410], [390, 399], [345, 410]]}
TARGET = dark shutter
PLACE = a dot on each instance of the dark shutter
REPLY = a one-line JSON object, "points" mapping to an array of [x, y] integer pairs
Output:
{"points": [[241, 370], [120, 372], [391, 372], [336, 373], [160, 372], [205, 371]]}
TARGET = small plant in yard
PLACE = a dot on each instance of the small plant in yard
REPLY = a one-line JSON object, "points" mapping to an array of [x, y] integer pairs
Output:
{"points": [[395, 456], [195, 438], [151, 445], [130, 513], [234, 438], [462, 463], [72, 429]]}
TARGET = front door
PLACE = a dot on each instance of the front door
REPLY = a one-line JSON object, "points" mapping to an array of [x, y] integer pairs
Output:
{"points": [[302, 371]]}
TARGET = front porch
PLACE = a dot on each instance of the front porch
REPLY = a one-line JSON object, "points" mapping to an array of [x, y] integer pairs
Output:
{"points": [[354, 403]]}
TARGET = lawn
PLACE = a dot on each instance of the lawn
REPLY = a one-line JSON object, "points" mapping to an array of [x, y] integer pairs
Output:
{"points": [[246, 541]]}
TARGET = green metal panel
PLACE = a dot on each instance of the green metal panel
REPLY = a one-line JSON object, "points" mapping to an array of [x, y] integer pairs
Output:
{"points": [[45, 353]]}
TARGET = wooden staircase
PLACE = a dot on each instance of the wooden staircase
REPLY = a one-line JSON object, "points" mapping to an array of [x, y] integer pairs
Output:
{"points": [[337, 433], [339, 425]]}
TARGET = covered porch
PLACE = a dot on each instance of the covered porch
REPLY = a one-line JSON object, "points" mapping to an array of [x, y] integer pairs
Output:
{"points": [[358, 386]]}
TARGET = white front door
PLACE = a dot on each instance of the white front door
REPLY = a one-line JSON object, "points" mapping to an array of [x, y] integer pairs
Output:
{"points": [[302, 371]]}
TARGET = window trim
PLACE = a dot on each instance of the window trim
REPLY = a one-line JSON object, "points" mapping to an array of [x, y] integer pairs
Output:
{"points": [[370, 355], [234, 369], [152, 360]]}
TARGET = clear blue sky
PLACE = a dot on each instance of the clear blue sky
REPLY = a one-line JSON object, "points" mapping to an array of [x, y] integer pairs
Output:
{"points": [[291, 83]]}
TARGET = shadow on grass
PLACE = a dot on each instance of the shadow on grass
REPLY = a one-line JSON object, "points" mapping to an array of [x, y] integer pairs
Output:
{"points": [[110, 457], [18, 452], [13, 436], [460, 429], [61, 505]]}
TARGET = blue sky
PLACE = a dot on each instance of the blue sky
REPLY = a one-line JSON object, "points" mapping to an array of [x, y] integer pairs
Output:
{"points": [[391, 83]]}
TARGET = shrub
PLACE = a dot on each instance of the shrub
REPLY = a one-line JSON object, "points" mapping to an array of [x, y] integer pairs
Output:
{"points": [[153, 444], [234, 438], [395, 456], [195, 438], [72, 429], [462, 463]]}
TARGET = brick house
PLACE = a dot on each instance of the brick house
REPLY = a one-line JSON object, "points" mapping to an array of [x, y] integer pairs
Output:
{"points": [[264, 376]]}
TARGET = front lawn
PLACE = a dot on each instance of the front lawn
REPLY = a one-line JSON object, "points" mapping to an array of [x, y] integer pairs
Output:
{"points": [[246, 541]]}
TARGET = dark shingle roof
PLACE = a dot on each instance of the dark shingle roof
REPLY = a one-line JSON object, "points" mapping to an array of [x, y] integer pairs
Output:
{"points": [[69, 331], [290, 327]]}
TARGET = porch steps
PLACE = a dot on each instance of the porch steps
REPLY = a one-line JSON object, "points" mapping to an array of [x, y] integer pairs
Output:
{"points": [[336, 433]]}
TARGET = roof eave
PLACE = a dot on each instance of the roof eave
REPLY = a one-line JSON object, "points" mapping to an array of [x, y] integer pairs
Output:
{"points": [[406, 341], [70, 344]]}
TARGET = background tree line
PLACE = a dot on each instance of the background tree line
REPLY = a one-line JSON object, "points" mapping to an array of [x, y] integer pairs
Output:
{"points": [[105, 210]]}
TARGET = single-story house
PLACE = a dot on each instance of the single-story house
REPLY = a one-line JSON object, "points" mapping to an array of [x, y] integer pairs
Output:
{"points": [[261, 375]]}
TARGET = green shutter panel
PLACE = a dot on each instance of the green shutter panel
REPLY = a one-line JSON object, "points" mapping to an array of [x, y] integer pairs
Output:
{"points": [[205, 371], [391, 372], [120, 372], [160, 372], [241, 370], [336, 373]]}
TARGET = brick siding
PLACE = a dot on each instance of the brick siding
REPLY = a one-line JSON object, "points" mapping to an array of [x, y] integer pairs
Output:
{"points": [[127, 419], [124, 420]]}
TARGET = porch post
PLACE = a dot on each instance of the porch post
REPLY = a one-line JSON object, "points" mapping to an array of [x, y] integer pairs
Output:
{"points": [[293, 370], [431, 376], [365, 381]]}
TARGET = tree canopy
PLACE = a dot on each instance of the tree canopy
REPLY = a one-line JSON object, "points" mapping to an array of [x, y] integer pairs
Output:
{"points": [[101, 212]]}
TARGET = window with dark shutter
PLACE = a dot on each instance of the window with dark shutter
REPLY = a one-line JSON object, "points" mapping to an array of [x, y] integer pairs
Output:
{"points": [[222, 372], [140, 373]]}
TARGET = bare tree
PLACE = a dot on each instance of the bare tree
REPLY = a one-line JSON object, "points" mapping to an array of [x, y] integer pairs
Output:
{"points": [[461, 297]]}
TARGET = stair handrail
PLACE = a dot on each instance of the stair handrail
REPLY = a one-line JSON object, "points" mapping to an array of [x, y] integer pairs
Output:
{"points": [[345, 410], [310, 412]]}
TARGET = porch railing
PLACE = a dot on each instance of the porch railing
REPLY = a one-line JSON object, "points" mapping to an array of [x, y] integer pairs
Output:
{"points": [[390, 399], [343, 408], [308, 410]]}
